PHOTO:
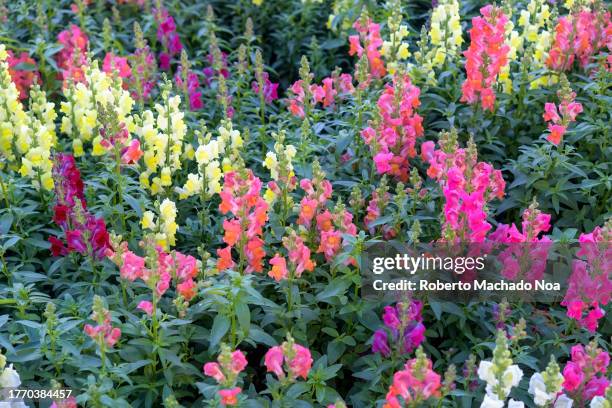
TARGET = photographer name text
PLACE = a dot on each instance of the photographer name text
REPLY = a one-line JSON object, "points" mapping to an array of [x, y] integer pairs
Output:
{"points": [[441, 286]]}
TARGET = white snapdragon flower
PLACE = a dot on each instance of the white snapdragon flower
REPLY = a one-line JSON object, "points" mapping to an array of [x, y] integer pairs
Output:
{"points": [[9, 378], [515, 404], [563, 402], [485, 372], [599, 402], [490, 401]]}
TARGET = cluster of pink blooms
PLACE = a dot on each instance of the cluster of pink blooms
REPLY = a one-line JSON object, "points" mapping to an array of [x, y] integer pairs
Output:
{"points": [[84, 233], [374, 211], [467, 184], [22, 78], [74, 7], [524, 249], [585, 375], [579, 36], [405, 324], [130, 151], [225, 371], [590, 284], [325, 94], [210, 73], [369, 36], [164, 268], [115, 64], [142, 81], [330, 226], [561, 118], [393, 140], [291, 358], [415, 384], [485, 57], [103, 332], [65, 403], [299, 259], [169, 38], [270, 89], [73, 56], [190, 87], [241, 196]]}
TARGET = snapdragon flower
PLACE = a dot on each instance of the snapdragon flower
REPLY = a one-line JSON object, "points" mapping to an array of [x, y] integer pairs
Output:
{"points": [[81, 120], [499, 373], [445, 33], [163, 138]]}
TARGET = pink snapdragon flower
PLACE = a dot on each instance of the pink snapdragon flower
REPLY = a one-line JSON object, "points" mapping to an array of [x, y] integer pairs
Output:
{"points": [[590, 284], [229, 397], [579, 37], [270, 89], [168, 36], [241, 196], [415, 384], [226, 371], [329, 225], [120, 65], [333, 88], [146, 307], [190, 87], [404, 330], [467, 184], [72, 58], [158, 269], [289, 357], [524, 254], [585, 375], [559, 119], [368, 40], [103, 333], [485, 57], [393, 140]]}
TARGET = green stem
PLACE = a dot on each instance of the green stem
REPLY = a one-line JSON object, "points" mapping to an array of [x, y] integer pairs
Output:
{"points": [[5, 194]]}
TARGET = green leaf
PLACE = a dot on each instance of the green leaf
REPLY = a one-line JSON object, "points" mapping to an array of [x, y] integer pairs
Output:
{"points": [[220, 327]]}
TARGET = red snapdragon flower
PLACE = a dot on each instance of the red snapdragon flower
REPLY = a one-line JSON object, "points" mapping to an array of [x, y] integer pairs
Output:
{"points": [[22, 78]]}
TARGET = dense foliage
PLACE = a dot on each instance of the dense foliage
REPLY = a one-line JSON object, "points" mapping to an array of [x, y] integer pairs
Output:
{"points": [[187, 188]]}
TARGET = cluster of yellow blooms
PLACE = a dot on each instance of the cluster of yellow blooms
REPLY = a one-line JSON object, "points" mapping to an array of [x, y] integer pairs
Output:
{"points": [[341, 10], [37, 163], [80, 120], [395, 49], [15, 131], [445, 34], [515, 41], [162, 138], [26, 138], [209, 169], [280, 164], [537, 27], [165, 227]]}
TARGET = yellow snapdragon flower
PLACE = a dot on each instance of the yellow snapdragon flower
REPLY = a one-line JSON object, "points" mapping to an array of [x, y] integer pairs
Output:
{"points": [[15, 124], [445, 34], [36, 164], [211, 166], [80, 119], [162, 137], [26, 138], [536, 30], [165, 226]]}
